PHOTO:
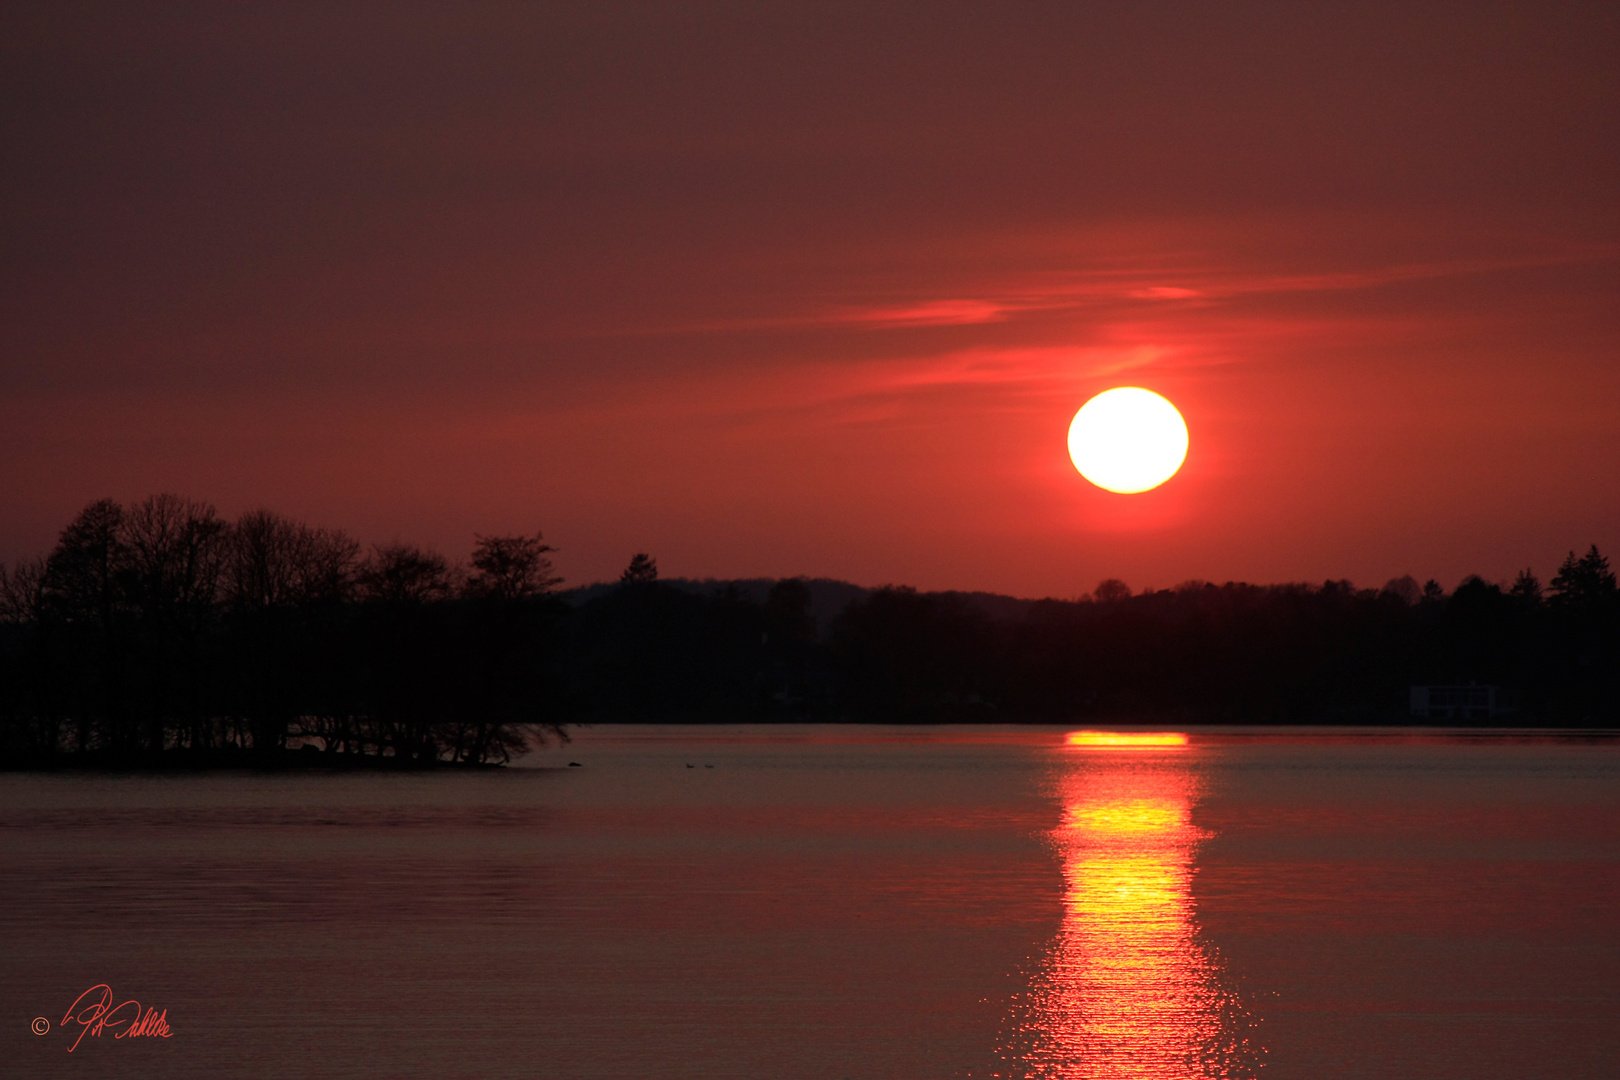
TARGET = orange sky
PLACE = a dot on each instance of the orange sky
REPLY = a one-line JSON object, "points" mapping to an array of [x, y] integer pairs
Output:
{"points": [[771, 291]]}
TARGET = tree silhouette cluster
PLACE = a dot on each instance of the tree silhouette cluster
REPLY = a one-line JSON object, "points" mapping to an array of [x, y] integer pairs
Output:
{"points": [[161, 631], [1235, 653]]}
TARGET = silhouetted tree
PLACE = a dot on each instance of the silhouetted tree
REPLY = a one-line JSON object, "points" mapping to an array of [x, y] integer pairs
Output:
{"points": [[1404, 589], [286, 585], [1584, 650], [177, 550], [1111, 591], [82, 571], [1526, 589], [511, 567], [504, 654], [1583, 582], [405, 574], [84, 575], [643, 570], [32, 700], [409, 663]]}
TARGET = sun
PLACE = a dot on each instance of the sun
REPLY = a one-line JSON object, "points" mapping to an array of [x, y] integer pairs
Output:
{"points": [[1128, 440]]}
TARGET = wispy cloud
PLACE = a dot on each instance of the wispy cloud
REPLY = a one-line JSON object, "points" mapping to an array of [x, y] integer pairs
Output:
{"points": [[1110, 282], [928, 313], [1163, 292]]}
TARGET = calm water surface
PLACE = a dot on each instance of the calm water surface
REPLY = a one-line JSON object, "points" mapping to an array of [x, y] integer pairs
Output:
{"points": [[784, 902]]}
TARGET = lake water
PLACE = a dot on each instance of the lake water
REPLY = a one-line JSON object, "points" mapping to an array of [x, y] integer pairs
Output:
{"points": [[784, 902]]}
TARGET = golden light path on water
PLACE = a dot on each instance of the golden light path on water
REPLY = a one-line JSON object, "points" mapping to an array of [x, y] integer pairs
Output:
{"points": [[1125, 738], [1127, 988]]}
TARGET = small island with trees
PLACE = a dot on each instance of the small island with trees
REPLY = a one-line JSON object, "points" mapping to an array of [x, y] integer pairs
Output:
{"points": [[161, 635]]}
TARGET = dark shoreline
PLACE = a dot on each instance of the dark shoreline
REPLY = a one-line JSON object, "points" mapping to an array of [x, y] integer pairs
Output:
{"points": [[265, 632], [283, 761], [311, 760]]}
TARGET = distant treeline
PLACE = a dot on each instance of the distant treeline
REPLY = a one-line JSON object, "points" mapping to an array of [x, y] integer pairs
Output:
{"points": [[162, 632]]}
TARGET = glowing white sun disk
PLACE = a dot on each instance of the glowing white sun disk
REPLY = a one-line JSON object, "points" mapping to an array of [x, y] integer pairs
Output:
{"points": [[1127, 440]]}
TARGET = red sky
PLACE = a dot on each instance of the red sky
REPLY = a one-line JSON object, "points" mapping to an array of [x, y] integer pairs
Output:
{"points": [[815, 289]]}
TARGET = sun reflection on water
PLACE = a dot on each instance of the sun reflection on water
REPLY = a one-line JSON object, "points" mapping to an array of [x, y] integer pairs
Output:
{"points": [[1127, 987], [1125, 738]]}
